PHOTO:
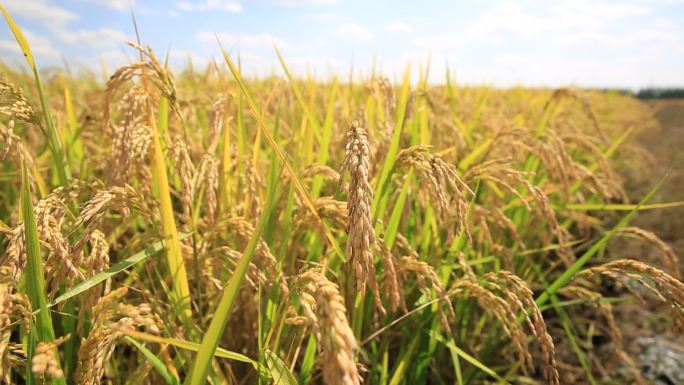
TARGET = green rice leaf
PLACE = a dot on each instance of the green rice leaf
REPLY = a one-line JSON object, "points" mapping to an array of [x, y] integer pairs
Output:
{"points": [[156, 363], [280, 373], [100, 277], [33, 274]]}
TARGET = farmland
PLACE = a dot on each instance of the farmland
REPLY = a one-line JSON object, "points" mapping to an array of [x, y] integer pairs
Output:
{"points": [[200, 226]]}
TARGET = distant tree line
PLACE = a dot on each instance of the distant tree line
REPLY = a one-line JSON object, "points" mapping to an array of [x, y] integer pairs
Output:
{"points": [[660, 93]]}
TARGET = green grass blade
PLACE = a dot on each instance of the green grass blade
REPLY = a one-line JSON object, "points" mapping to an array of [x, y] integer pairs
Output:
{"points": [[568, 274], [280, 373], [451, 345], [74, 144], [274, 145], [210, 340], [308, 361], [33, 274], [156, 363], [100, 277], [397, 211], [474, 155], [191, 346], [180, 295], [315, 124], [404, 362], [326, 136]]}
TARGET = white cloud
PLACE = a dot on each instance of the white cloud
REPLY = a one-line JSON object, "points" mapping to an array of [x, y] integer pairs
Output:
{"points": [[398, 26], [242, 40], [120, 5], [439, 41], [210, 5], [40, 11], [355, 32], [57, 21], [98, 38], [636, 37], [296, 3], [318, 16], [41, 46], [584, 24], [512, 19]]}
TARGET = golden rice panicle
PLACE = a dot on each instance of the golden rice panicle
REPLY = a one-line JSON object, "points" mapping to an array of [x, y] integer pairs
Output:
{"points": [[210, 178], [218, 116], [361, 235], [12, 306], [45, 359], [265, 259], [671, 259], [96, 262], [502, 310], [502, 172], [390, 277], [324, 306], [110, 320], [7, 135], [446, 189], [382, 89], [121, 198], [251, 183], [324, 171], [61, 265], [14, 258], [186, 170], [131, 138], [517, 292], [427, 279], [662, 285], [328, 208], [13, 102]]}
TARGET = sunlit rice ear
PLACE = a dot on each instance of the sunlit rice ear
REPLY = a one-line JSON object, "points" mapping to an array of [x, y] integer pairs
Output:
{"points": [[361, 235]]}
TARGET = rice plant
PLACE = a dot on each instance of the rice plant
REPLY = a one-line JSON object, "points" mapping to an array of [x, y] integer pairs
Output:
{"points": [[201, 227]]}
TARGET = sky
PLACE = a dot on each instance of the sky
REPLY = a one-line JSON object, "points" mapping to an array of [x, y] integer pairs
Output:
{"points": [[626, 44]]}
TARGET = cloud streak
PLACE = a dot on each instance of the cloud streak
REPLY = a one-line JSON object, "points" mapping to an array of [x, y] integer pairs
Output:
{"points": [[210, 5]]}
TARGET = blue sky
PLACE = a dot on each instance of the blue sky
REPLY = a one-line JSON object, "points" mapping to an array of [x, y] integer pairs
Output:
{"points": [[551, 43]]}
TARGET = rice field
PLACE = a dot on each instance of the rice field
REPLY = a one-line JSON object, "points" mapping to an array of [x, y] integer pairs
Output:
{"points": [[200, 227]]}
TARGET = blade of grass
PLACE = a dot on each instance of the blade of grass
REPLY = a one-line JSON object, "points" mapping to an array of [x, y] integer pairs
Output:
{"points": [[180, 295], [451, 345], [200, 366], [100, 277], [190, 346], [280, 373], [33, 275], [75, 147], [156, 363], [568, 274], [313, 121], [326, 136], [404, 362], [290, 172], [397, 211]]}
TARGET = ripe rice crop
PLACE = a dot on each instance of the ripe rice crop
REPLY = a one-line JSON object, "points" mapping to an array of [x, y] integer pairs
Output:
{"points": [[198, 226]]}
